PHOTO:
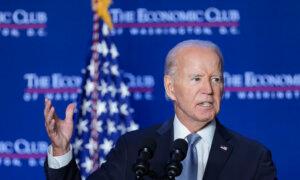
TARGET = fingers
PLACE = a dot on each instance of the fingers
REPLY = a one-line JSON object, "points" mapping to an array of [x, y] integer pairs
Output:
{"points": [[70, 112], [49, 120], [49, 112], [50, 127], [47, 107]]}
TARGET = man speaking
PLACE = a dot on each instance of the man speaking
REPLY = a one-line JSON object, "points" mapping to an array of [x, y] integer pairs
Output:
{"points": [[193, 80]]}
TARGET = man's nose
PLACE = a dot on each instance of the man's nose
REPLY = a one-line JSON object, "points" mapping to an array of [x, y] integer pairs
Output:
{"points": [[206, 87]]}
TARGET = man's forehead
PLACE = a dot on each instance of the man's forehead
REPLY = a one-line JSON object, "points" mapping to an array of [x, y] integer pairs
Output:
{"points": [[194, 47], [197, 54]]}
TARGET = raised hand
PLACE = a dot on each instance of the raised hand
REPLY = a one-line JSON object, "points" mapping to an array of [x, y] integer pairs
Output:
{"points": [[59, 131]]}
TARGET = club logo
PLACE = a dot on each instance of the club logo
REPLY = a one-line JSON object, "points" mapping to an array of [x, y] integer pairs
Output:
{"points": [[22, 152], [21, 22], [251, 86], [61, 87], [146, 22]]}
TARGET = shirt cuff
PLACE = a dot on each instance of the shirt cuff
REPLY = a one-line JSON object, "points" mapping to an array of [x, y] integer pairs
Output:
{"points": [[56, 162]]}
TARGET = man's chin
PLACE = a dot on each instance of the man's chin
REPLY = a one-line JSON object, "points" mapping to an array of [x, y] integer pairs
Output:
{"points": [[206, 119]]}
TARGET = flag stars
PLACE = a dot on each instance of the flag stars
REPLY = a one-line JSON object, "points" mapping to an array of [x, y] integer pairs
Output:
{"points": [[85, 107], [112, 89], [91, 146], [102, 48], [87, 165], [82, 126], [114, 52], [103, 88], [132, 126], [98, 126], [121, 127], [101, 108], [102, 160], [77, 145], [124, 109], [105, 68], [111, 127], [113, 107], [77, 161], [106, 146], [124, 90], [92, 67], [105, 29], [114, 70], [89, 87]]}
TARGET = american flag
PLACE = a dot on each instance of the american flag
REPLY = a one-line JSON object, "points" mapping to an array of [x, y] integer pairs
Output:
{"points": [[104, 111]]}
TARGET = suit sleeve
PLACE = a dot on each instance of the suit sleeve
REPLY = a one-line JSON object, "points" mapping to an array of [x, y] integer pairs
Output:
{"points": [[113, 169], [266, 169], [68, 172]]}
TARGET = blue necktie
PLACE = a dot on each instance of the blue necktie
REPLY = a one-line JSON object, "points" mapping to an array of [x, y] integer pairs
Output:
{"points": [[190, 163]]}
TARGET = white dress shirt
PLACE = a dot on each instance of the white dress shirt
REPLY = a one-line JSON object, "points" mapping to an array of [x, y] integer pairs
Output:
{"points": [[203, 145], [180, 131], [56, 162]]}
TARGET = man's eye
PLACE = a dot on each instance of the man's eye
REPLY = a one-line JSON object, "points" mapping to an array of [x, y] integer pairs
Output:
{"points": [[196, 79], [216, 79]]}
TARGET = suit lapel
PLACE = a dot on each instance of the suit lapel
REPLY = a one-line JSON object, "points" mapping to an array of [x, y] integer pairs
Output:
{"points": [[219, 153], [162, 154]]}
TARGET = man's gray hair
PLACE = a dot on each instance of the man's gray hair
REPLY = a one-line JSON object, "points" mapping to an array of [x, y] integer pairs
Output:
{"points": [[170, 62]]}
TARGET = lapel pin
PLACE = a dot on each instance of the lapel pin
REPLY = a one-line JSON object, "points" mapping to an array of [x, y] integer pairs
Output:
{"points": [[225, 148]]}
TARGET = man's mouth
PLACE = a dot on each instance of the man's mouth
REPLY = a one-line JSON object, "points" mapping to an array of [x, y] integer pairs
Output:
{"points": [[206, 104]]}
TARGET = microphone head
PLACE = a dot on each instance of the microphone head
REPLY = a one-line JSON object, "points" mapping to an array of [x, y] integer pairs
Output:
{"points": [[145, 153], [179, 147], [178, 153], [148, 146]]}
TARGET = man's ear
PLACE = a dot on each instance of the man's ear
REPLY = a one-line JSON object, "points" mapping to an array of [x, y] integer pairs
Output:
{"points": [[169, 87]]}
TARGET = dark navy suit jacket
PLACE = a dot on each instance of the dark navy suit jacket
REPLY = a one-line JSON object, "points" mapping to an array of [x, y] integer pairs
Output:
{"points": [[232, 157]]}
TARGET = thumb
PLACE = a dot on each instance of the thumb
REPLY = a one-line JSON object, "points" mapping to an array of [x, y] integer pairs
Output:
{"points": [[70, 112]]}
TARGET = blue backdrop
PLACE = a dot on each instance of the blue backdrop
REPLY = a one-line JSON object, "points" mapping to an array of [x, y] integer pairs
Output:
{"points": [[44, 46]]}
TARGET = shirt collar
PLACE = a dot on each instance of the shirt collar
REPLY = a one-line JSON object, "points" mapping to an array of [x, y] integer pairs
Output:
{"points": [[206, 133]]}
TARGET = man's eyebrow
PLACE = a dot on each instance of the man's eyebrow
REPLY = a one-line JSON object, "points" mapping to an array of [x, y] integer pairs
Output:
{"points": [[220, 75], [196, 75]]}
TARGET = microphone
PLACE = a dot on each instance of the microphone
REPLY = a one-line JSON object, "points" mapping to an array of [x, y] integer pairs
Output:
{"points": [[145, 153], [178, 153]]}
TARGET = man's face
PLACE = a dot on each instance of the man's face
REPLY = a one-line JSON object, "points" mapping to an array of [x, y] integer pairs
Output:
{"points": [[197, 85]]}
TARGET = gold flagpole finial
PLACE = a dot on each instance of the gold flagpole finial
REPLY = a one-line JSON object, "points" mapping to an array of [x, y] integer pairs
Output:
{"points": [[101, 8]]}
